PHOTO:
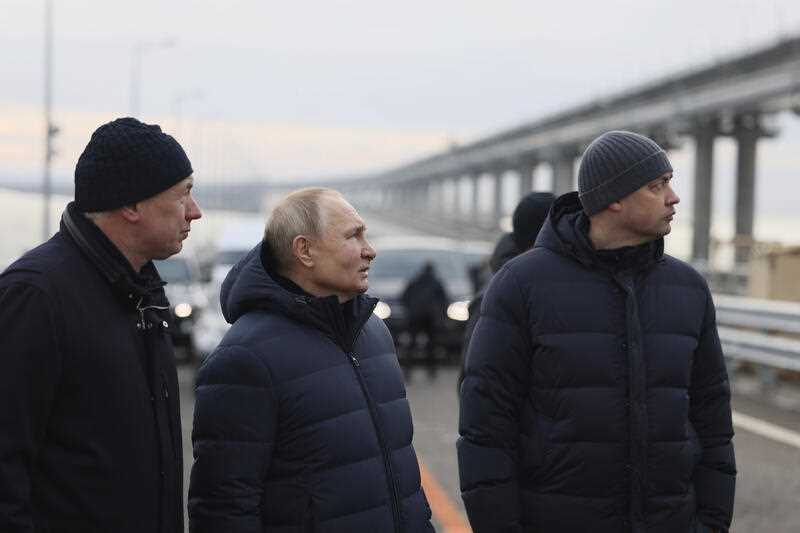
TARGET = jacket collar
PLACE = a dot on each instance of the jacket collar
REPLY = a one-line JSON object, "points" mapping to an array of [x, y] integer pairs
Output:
{"points": [[566, 231], [110, 262], [251, 285]]}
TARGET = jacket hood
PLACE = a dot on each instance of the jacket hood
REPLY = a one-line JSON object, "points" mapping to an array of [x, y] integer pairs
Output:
{"points": [[250, 286], [566, 232]]}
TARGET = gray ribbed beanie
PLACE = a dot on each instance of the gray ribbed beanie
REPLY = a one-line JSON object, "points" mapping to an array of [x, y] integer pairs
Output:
{"points": [[616, 164]]}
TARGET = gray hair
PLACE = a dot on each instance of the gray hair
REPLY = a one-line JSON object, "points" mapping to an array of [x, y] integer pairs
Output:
{"points": [[298, 213]]}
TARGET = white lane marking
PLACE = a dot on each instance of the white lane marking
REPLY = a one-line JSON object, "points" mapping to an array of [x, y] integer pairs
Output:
{"points": [[765, 429]]}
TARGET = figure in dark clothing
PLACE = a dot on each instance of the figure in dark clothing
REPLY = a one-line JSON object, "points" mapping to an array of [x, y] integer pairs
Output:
{"points": [[596, 396], [425, 302], [527, 220], [301, 421], [90, 428]]}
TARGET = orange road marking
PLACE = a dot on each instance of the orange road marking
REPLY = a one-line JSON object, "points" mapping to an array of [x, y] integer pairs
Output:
{"points": [[444, 510]]}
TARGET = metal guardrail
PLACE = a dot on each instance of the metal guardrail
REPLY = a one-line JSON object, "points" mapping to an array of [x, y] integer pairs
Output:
{"points": [[750, 331], [767, 350]]}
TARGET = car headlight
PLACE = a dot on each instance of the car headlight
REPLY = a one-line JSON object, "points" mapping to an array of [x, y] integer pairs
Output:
{"points": [[183, 310], [382, 310], [458, 311]]}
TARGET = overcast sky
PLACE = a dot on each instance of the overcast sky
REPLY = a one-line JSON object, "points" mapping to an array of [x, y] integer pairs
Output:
{"points": [[303, 89]]}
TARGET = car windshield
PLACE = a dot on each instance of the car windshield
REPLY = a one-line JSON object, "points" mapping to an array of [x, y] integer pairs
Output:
{"points": [[405, 263], [174, 270]]}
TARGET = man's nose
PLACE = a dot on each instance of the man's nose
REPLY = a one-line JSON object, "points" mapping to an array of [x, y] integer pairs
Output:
{"points": [[673, 198], [193, 212], [369, 252]]}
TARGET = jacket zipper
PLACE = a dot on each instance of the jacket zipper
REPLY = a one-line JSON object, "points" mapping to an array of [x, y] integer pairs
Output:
{"points": [[165, 398], [387, 462]]}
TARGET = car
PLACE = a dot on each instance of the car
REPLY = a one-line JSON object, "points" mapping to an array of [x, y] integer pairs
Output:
{"points": [[401, 258], [235, 240], [188, 300]]}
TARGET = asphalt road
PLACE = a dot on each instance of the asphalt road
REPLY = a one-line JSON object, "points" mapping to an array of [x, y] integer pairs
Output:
{"points": [[768, 485]]}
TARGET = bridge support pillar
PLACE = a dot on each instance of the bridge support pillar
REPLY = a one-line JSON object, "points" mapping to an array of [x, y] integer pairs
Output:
{"points": [[435, 196], [703, 180], [397, 196], [525, 171], [457, 214], [421, 196], [563, 175], [498, 176], [746, 133], [475, 209]]}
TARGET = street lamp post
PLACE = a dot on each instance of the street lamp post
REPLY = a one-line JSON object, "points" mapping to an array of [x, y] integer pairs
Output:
{"points": [[177, 104], [50, 129], [137, 53]]}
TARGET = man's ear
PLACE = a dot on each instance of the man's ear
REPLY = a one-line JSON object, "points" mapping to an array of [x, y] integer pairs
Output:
{"points": [[616, 207], [301, 249], [131, 213]]}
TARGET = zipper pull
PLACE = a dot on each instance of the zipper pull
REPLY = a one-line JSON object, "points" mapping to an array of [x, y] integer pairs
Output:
{"points": [[355, 361], [140, 324]]}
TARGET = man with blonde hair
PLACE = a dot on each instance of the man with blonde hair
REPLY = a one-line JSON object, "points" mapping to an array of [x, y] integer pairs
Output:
{"points": [[301, 420]]}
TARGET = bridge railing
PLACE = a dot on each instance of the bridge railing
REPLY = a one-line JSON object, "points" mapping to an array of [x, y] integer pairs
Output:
{"points": [[765, 333]]}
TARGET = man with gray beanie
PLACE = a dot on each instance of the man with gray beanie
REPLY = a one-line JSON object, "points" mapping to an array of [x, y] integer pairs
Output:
{"points": [[596, 396], [90, 433]]}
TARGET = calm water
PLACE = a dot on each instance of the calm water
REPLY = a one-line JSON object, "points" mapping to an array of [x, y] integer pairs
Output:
{"points": [[21, 223]]}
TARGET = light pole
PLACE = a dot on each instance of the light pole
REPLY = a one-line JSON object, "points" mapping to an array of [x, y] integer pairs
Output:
{"points": [[177, 104], [137, 52], [50, 128]]}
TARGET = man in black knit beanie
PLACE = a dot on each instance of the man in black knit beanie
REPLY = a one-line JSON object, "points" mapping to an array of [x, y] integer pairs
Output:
{"points": [[90, 433]]}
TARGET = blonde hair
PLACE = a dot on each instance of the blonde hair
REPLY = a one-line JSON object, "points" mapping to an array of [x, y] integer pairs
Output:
{"points": [[298, 213]]}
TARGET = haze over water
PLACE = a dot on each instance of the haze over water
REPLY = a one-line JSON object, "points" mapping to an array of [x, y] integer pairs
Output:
{"points": [[21, 220]]}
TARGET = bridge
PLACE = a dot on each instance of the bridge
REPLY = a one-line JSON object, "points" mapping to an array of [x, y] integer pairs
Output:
{"points": [[733, 98]]}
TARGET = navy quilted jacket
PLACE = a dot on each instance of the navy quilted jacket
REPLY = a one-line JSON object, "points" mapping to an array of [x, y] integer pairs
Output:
{"points": [[301, 421], [596, 396]]}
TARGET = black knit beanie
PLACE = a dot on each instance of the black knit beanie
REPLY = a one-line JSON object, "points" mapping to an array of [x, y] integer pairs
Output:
{"points": [[528, 218], [615, 165], [127, 161]]}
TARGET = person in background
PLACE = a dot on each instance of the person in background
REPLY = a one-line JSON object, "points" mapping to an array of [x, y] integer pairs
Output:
{"points": [[527, 220], [425, 301], [596, 396], [301, 421], [90, 428]]}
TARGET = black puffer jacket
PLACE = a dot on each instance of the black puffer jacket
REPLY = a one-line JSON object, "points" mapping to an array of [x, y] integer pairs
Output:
{"points": [[301, 421], [90, 435], [596, 396]]}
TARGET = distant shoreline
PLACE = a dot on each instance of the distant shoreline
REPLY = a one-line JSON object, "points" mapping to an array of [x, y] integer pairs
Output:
{"points": [[56, 188]]}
